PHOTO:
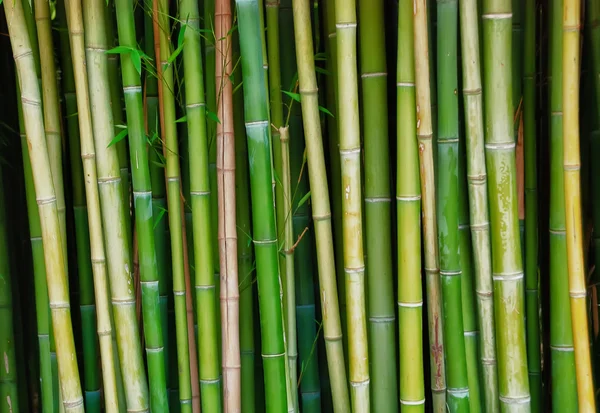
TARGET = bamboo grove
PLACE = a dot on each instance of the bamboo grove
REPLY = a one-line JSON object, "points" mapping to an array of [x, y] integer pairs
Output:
{"points": [[300, 206]]}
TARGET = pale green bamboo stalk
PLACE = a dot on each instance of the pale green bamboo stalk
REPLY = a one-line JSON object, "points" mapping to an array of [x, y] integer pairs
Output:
{"points": [[427, 174], [350, 155], [51, 229]]}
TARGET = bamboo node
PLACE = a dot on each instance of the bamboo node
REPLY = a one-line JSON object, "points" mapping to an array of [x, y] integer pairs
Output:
{"points": [[515, 400], [562, 348], [350, 25], [459, 391], [410, 305], [27, 52], [45, 201], [578, 294], [425, 136], [264, 242], [257, 124], [501, 146], [323, 217], [154, 349], [268, 356], [60, 305], [73, 403], [405, 84], [432, 270], [472, 92], [30, 102], [448, 273], [412, 402], [132, 89], [488, 361], [496, 16], [509, 276], [382, 319], [377, 199], [195, 105], [373, 74], [363, 383], [105, 332], [200, 193], [408, 198], [356, 270]]}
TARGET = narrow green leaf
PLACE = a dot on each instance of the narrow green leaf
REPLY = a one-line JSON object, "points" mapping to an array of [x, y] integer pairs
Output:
{"points": [[325, 110], [295, 96], [303, 199], [213, 116], [120, 136], [182, 119]]}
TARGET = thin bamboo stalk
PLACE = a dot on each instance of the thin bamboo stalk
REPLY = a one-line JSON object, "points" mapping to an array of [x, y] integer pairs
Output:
{"points": [[381, 312], [478, 201], [49, 217], [170, 146], [282, 212], [198, 149], [263, 215], [507, 267], [408, 207], [531, 209], [321, 213], [9, 390], [571, 168], [244, 246], [226, 174], [562, 356], [427, 175]]}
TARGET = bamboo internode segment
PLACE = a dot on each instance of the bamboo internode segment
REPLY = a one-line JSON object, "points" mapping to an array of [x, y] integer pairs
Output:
{"points": [[478, 200], [226, 184], [426, 168], [317, 174], [574, 229], [49, 219]]}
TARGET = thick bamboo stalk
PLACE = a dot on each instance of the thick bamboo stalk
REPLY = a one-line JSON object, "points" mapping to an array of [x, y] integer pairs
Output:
{"points": [[332, 329], [562, 356], [198, 149], [142, 195], [9, 390], [263, 215], [381, 312], [427, 175], [447, 195], [226, 174], [49, 217], [507, 267], [571, 168], [531, 209], [408, 207], [350, 157], [170, 148], [478, 201]]}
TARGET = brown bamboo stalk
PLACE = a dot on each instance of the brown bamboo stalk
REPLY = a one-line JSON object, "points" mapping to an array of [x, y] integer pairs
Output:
{"points": [[227, 232]]}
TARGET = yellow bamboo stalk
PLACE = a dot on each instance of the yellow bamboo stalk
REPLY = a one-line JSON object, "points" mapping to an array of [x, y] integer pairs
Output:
{"points": [[572, 175]]}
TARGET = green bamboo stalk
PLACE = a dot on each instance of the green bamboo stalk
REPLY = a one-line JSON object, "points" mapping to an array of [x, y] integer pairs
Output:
{"points": [[571, 168], [116, 103], [448, 197], [75, 22], [142, 194], [9, 390], [282, 212], [564, 386], [244, 244], [350, 154], [531, 214], [198, 149], [382, 320], [45, 195], [263, 215], [478, 201], [507, 268], [427, 175], [408, 207], [227, 231], [42, 307], [162, 32], [160, 211], [87, 305], [321, 213]]}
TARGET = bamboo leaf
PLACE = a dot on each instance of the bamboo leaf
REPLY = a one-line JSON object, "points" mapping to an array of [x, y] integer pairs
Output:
{"points": [[295, 96], [159, 217], [137, 61], [325, 110], [182, 119], [303, 199], [120, 136], [323, 71], [213, 116]]}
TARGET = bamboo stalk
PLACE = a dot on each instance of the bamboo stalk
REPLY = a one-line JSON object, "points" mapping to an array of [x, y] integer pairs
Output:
{"points": [[561, 334], [332, 329], [507, 268], [9, 390], [427, 175], [198, 149], [572, 166], [170, 147], [380, 289], [478, 201], [49, 217], [226, 184], [408, 207]]}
